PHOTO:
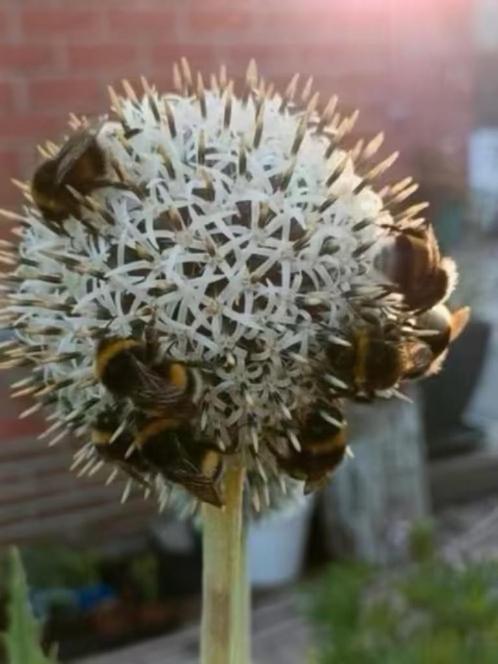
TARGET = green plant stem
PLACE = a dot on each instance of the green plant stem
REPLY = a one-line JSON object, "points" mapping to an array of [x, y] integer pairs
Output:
{"points": [[225, 608], [244, 603]]}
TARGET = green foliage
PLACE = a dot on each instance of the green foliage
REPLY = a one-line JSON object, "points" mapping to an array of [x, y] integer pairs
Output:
{"points": [[52, 566], [22, 638], [144, 574], [421, 541], [433, 614]]}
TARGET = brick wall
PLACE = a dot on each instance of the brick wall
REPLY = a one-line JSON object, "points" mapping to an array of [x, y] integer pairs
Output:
{"points": [[406, 65]]}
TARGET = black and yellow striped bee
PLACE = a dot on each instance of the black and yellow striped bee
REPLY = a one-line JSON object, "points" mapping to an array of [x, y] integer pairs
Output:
{"points": [[376, 359], [440, 327], [322, 438], [133, 369], [169, 447], [81, 164], [114, 443], [411, 259]]}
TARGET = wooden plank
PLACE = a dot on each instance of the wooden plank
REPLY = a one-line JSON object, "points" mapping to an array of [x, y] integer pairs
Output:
{"points": [[78, 524], [280, 636]]}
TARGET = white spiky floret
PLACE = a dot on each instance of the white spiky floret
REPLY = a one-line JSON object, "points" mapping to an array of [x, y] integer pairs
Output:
{"points": [[251, 219]]}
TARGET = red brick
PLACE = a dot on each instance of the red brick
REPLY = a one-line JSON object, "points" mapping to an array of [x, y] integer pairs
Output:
{"points": [[30, 426], [143, 23], [205, 21], [4, 17], [7, 97], [31, 126], [25, 57], [105, 56], [162, 57], [9, 162], [79, 94], [52, 22], [10, 167]]}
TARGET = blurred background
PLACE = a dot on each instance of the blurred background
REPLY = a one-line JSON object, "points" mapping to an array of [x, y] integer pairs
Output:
{"points": [[423, 487]]}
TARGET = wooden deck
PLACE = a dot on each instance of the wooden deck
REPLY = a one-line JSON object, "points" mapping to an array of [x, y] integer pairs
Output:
{"points": [[280, 636]]}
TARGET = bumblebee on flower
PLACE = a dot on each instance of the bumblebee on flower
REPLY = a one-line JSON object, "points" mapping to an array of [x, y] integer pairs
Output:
{"points": [[207, 276]]}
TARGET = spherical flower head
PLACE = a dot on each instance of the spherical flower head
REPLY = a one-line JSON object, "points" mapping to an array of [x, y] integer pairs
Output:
{"points": [[231, 238]]}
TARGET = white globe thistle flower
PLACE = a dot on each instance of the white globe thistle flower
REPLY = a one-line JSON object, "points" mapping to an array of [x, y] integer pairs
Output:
{"points": [[259, 255]]}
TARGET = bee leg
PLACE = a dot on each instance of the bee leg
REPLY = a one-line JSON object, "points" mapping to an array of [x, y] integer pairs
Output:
{"points": [[315, 484], [151, 338], [116, 184]]}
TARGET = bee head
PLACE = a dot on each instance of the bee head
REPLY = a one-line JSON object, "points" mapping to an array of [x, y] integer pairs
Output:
{"points": [[107, 421]]}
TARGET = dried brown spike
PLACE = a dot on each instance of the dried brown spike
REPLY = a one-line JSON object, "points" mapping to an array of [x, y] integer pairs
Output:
{"points": [[307, 90], [74, 121], [328, 112], [300, 133], [270, 91], [312, 104], [25, 187], [145, 85], [381, 168], [12, 216], [43, 152], [115, 101], [412, 211], [287, 176], [170, 118], [154, 108], [258, 131], [337, 170], [242, 157], [201, 95], [330, 200], [177, 78], [290, 92], [129, 90], [346, 126], [227, 112], [252, 74], [404, 194], [176, 218], [399, 186], [357, 150], [187, 74], [373, 145], [213, 81], [223, 77], [201, 149], [167, 162]]}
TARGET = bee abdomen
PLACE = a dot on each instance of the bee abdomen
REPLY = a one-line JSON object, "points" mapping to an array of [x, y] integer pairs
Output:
{"points": [[115, 364], [186, 379]]}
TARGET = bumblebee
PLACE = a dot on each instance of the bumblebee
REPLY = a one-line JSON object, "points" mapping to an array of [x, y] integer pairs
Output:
{"points": [[81, 164], [169, 447], [132, 369], [118, 449], [411, 259], [376, 359], [441, 327], [323, 446]]}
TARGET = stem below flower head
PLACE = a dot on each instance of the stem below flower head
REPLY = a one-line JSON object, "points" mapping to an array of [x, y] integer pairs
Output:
{"points": [[225, 609]]}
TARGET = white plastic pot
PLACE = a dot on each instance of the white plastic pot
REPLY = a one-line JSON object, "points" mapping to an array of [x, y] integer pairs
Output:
{"points": [[276, 546]]}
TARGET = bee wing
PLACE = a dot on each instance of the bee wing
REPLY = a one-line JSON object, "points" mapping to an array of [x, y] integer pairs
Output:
{"points": [[420, 358], [74, 148], [153, 389], [203, 488], [459, 320], [207, 492], [134, 474]]}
